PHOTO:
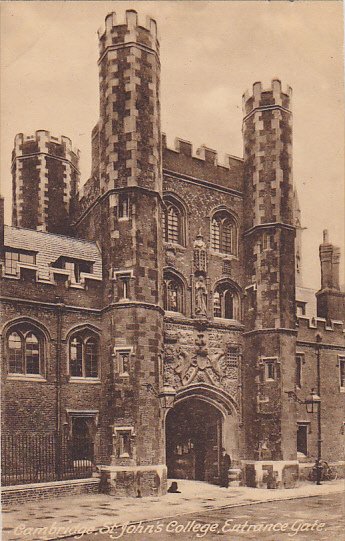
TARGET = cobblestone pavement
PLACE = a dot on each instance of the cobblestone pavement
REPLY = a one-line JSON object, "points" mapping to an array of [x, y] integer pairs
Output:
{"points": [[57, 518]]}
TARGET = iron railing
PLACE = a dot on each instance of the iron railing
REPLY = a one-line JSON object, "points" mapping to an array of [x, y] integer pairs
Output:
{"points": [[37, 458]]}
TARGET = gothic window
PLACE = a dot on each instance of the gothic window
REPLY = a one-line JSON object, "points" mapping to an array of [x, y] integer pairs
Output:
{"points": [[25, 350], [91, 358], [83, 355], [226, 302], [224, 233], [217, 306], [173, 293], [173, 223]]}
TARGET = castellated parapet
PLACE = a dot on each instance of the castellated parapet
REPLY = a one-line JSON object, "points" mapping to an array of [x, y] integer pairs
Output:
{"points": [[129, 126], [45, 178], [129, 29]]}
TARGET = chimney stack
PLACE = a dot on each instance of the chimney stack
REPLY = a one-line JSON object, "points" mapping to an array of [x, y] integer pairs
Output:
{"points": [[329, 258]]}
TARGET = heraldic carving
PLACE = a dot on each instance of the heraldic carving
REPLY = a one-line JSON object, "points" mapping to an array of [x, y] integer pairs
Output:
{"points": [[192, 365]]}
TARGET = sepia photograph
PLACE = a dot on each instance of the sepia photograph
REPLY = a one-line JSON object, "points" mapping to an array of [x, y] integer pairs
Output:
{"points": [[172, 270]]}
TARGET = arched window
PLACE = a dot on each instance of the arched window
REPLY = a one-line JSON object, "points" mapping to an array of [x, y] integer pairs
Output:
{"points": [[173, 222], [224, 233], [91, 358], [173, 293], [226, 302], [25, 349], [83, 355]]}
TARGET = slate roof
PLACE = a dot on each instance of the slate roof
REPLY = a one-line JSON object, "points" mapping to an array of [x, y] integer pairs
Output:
{"points": [[49, 247]]}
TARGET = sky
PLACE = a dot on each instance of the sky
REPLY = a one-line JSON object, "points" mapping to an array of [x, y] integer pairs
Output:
{"points": [[211, 52]]}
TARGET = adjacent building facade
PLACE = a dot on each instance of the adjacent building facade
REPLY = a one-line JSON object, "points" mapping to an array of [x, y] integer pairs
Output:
{"points": [[149, 318]]}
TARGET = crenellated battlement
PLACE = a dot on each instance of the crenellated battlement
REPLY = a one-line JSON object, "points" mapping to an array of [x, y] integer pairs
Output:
{"points": [[202, 153], [321, 324], [44, 143], [128, 29], [266, 97]]}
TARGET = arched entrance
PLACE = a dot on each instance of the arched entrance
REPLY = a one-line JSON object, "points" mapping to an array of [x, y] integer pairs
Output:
{"points": [[194, 440]]}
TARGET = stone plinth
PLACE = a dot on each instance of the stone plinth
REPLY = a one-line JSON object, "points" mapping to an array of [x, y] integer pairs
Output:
{"points": [[270, 473], [135, 481]]}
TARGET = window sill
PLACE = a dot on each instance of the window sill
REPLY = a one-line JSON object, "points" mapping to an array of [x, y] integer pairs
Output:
{"points": [[342, 389], [91, 381], [26, 377]]}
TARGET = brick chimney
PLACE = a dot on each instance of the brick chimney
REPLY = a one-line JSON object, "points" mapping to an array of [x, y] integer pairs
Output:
{"points": [[329, 258], [330, 300]]}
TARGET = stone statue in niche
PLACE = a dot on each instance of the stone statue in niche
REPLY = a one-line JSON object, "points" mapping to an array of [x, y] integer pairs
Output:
{"points": [[199, 255], [200, 296]]}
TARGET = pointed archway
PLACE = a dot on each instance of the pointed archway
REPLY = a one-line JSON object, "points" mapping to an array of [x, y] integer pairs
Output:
{"points": [[194, 440]]}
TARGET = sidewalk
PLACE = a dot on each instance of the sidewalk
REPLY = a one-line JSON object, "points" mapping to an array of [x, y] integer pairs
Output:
{"points": [[90, 512]]}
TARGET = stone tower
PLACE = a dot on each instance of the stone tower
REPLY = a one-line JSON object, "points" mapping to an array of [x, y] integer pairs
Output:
{"points": [[45, 177], [270, 275], [125, 217]]}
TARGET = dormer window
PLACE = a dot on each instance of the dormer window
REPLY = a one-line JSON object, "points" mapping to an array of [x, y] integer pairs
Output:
{"points": [[13, 257], [75, 267]]}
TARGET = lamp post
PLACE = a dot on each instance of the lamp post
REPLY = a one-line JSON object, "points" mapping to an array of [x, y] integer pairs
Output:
{"points": [[319, 439], [313, 405]]}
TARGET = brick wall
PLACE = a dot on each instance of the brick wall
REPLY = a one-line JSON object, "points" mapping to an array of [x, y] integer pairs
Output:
{"points": [[332, 396]]}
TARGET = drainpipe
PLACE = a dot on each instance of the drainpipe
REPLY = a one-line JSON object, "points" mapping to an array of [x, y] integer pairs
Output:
{"points": [[319, 435], [58, 446]]}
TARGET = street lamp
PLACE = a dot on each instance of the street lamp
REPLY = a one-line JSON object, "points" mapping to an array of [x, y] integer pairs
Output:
{"points": [[312, 402]]}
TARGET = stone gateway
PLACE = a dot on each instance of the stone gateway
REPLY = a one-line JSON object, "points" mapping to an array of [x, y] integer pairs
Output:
{"points": [[153, 317]]}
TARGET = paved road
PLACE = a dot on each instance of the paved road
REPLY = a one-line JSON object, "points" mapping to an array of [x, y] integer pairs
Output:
{"points": [[312, 519]]}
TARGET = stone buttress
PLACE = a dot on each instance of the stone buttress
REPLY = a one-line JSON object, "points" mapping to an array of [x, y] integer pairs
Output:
{"points": [[269, 235]]}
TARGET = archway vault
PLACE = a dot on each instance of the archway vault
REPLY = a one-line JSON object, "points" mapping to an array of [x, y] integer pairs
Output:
{"points": [[196, 430], [215, 396]]}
